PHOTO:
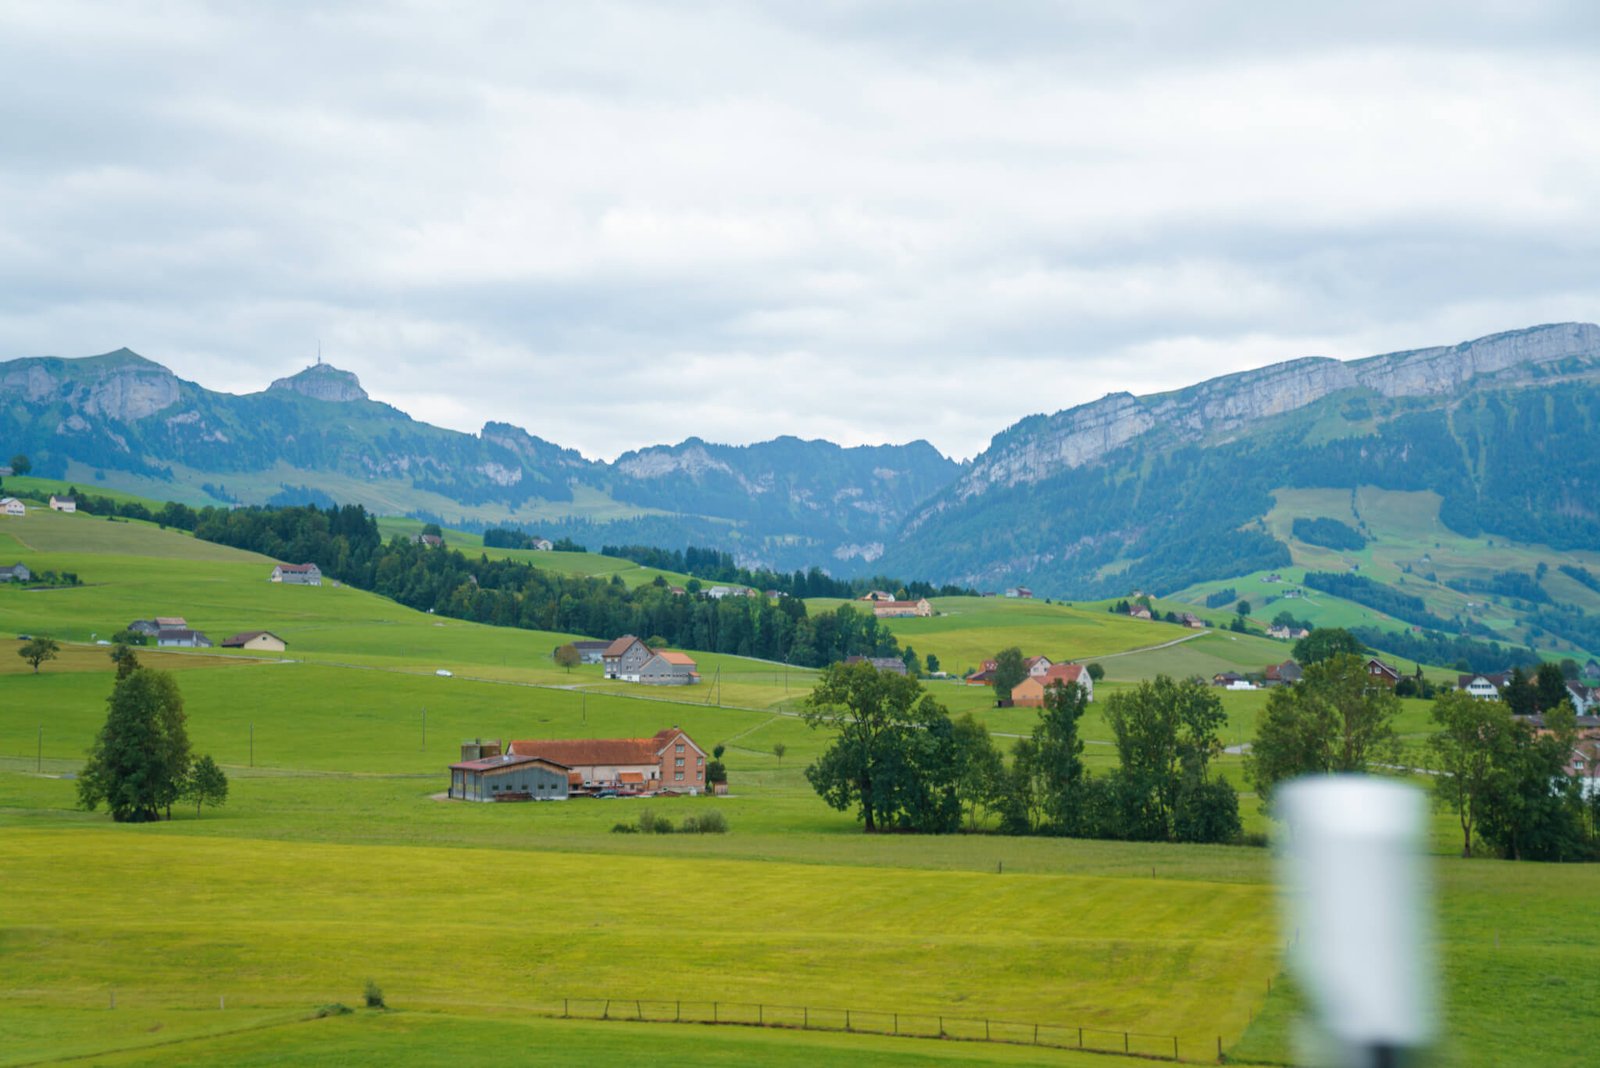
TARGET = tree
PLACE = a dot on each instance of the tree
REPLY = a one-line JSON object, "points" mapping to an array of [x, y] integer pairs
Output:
{"points": [[1520, 695], [567, 656], [20, 464], [1569, 669], [893, 754], [1336, 719], [140, 759], [126, 660], [434, 529], [206, 784], [37, 650], [1166, 735], [1242, 608], [1470, 752], [778, 749], [980, 768], [912, 662], [1550, 686], [1008, 671], [1326, 643], [1096, 672], [933, 664], [1534, 810]]}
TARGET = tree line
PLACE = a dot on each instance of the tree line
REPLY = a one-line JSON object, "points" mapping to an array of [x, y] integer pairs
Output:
{"points": [[345, 543], [714, 565]]}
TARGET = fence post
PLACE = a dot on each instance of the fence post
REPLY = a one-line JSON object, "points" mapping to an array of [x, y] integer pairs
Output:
{"points": [[1080, 1038], [805, 1019], [761, 1016], [1035, 1034], [714, 1012], [986, 1029], [847, 1019], [897, 1023], [941, 1027], [1174, 1047], [605, 1014], [565, 1009], [1124, 1041], [677, 1013], [638, 1007]]}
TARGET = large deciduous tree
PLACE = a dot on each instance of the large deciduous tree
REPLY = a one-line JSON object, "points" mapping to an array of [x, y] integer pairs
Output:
{"points": [[1327, 643], [1166, 735], [1336, 719], [37, 650], [206, 784], [140, 760], [1470, 752], [893, 755], [1009, 669]]}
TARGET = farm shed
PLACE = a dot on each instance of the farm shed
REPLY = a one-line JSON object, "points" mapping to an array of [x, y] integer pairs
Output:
{"points": [[508, 778]]}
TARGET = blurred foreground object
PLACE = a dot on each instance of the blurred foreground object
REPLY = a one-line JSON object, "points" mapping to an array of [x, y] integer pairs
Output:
{"points": [[1358, 907]]}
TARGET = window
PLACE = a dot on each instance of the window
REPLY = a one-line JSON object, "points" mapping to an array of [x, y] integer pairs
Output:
{"points": [[680, 748], [677, 775], [699, 762], [680, 762]]}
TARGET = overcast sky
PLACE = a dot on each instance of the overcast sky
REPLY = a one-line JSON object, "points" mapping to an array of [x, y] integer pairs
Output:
{"points": [[619, 225]]}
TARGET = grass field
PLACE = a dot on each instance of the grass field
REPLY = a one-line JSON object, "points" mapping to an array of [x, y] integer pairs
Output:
{"points": [[333, 862]]}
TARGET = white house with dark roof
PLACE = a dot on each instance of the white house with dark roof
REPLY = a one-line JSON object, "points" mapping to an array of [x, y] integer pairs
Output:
{"points": [[297, 574], [62, 504], [12, 506], [15, 573]]}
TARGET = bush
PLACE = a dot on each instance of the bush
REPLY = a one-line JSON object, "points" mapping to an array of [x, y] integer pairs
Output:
{"points": [[336, 1008], [373, 996], [624, 828], [712, 822]]}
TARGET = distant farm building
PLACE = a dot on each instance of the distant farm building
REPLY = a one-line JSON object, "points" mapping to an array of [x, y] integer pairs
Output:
{"points": [[297, 574], [891, 664], [62, 504], [432, 541], [1378, 671], [876, 595], [486, 774], [12, 506], [15, 573], [1285, 674], [259, 640], [624, 657], [1020, 591], [669, 760], [1485, 687], [543, 545], [182, 638], [1029, 693], [170, 622], [667, 668], [897, 609], [1192, 621], [590, 652]]}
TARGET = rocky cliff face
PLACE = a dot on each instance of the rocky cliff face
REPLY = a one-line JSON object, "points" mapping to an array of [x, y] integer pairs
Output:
{"points": [[119, 386], [323, 382], [1041, 446]]}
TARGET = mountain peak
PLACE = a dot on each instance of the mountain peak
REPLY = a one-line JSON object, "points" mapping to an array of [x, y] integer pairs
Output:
{"points": [[322, 381]]}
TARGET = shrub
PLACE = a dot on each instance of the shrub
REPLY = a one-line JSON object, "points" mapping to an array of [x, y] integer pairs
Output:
{"points": [[336, 1008], [707, 823], [624, 828], [373, 996]]}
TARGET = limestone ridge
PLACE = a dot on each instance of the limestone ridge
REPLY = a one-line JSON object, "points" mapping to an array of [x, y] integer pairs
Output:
{"points": [[322, 382], [1040, 446]]}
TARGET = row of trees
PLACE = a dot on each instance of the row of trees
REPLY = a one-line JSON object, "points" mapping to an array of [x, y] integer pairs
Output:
{"points": [[344, 542], [901, 762], [141, 761], [715, 565]]}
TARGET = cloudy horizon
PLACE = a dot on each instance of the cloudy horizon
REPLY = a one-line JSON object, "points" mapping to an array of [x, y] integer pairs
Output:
{"points": [[627, 225]]}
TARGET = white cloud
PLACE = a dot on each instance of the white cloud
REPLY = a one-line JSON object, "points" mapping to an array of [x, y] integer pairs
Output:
{"points": [[621, 224]]}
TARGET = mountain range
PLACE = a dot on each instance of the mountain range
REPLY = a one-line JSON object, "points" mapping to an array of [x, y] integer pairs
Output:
{"points": [[1156, 492]]}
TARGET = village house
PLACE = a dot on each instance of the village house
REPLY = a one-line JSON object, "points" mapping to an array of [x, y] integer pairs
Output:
{"points": [[1029, 693], [15, 573], [432, 541], [1583, 698], [1378, 671], [1192, 621], [890, 664], [170, 623], [898, 609], [667, 668], [1591, 670], [1037, 666], [149, 628], [668, 761], [1020, 591], [624, 657], [484, 773], [258, 640], [876, 595], [1287, 633], [1138, 611], [62, 504], [297, 574], [12, 506], [543, 545], [1285, 674], [1484, 687], [182, 638], [590, 652]]}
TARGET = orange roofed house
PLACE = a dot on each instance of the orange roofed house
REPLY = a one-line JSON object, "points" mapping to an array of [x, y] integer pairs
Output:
{"points": [[669, 760], [1029, 693], [896, 609]]}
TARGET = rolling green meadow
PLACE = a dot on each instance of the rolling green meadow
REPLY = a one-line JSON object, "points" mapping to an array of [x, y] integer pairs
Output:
{"points": [[334, 862]]}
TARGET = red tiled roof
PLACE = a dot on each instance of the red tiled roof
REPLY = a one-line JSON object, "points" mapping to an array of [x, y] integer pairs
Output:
{"points": [[897, 604], [1064, 672], [620, 646], [576, 752], [630, 776], [682, 659], [297, 567]]}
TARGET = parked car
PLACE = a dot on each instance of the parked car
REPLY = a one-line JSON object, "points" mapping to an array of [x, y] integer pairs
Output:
{"points": [[606, 793], [443, 674]]}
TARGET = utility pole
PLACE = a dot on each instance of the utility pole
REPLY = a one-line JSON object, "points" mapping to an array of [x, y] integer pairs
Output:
{"points": [[40, 767], [424, 729]]}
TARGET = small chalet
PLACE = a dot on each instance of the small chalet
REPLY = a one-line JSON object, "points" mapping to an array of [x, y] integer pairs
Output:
{"points": [[1228, 679], [1591, 670], [170, 623], [1285, 674], [484, 773], [667, 761], [1484, 687], [1192, 621], [259, 640], [1037, 666], [1029, 693], [1287, 633], [1583, 698], [667, 668], [12, 506], [297, 574], [876, 595], [898, 609], [432, 541], [147, 627], [62, 504], [182, 638], [1019, 591], [891, 664], [15, 573], [543, 545], [1378, 671], [1138, 611], [590, 652], [624, 657]]}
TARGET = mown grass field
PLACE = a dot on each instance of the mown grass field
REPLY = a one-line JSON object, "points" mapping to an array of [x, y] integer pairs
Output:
{"points": [[333, 862]]}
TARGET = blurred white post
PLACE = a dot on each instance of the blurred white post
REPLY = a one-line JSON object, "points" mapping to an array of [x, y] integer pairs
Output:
{"points": [[1358, 906]]}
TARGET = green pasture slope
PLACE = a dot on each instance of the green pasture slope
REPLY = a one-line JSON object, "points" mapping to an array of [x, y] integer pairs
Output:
{"points": [[1405, 532], [333, 862]]}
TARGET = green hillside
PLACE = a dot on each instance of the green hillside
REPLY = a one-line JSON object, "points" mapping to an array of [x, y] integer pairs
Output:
{"points": [[333, 861]]}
